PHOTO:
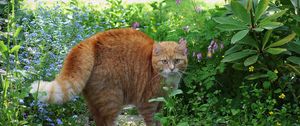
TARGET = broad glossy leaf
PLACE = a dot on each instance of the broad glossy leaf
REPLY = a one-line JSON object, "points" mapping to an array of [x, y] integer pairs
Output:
{"points": [[258, 29], [270, 25], [229, 20], [239, 35], [240, 11], [294, 59], [273, 17], [293, 47], [250, 60], [266, 38], [284, 40], [233, 49], [248, 40], [261, 8], [230, 27], [276, 51], [256, 76], [238, 55]]}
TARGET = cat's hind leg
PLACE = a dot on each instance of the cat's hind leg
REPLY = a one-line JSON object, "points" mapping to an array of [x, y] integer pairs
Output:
{"points": [[147, 110], [106, 108]]}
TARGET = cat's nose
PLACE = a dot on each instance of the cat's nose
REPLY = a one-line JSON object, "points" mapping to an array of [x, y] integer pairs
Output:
{"points": [[172, 67]]}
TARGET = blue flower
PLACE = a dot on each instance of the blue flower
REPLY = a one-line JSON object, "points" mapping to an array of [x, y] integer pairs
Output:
{"points": [[21, 101], [59, 122], [26, 67], [49, 120]]}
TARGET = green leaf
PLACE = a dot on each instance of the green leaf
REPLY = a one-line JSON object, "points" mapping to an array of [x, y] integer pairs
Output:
{"points": [[276, 51], [261, 8], [238, 66], [296, 17], [266, 38], [270, 25], [258, 29], [294, 59], [235, 111], [229, 20], [17, 32], [233, 49], [251, 60], [238, 55], [256, 76], [238, 36], [240, 11], [15, 49], [274, 16], [248, 40], [277, 91], [272, 76], [293, 47], [3, 47], [266, 84], [230, 27], [283, 41], [176, 92], [159, 99], [183, 124]]}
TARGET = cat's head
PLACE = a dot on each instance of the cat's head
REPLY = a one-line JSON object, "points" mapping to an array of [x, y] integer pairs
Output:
{"points": [[169, 58]]}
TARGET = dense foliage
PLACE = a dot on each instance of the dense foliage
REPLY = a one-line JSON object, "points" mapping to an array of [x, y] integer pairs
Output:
{"points": [[244, 58]]}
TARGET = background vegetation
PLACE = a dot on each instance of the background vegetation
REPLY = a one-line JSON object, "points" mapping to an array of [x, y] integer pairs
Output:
{"points": [[244, 63]]}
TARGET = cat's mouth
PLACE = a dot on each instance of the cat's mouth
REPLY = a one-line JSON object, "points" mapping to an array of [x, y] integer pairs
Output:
{"points": [[171, 74]]}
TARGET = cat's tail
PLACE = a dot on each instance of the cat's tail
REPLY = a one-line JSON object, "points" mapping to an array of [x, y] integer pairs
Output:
{"points": [[73, 77]]}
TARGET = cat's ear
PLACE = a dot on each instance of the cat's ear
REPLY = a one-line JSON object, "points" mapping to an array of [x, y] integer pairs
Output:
{"points": [[157, 49], [182, 43], [182, 47]]}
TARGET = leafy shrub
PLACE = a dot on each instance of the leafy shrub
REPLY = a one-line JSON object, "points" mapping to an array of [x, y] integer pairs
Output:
{"points": [[243, 58]]}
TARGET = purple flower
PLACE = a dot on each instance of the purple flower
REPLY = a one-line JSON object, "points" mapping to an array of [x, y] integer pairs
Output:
{"points": [[221, 45], [25, 115], [213, 46], [135, 25], [178, 1], [199, 56]]}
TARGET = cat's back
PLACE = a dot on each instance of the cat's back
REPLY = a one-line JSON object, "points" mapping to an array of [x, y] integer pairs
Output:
{"points": [[123, 37]]}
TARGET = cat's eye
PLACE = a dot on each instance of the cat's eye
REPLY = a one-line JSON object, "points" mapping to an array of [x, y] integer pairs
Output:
{"points": [[176, 61], [164, 61]]}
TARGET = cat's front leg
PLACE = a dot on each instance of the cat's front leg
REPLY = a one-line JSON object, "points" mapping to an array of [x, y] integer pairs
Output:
{"points": [[147, 110]]}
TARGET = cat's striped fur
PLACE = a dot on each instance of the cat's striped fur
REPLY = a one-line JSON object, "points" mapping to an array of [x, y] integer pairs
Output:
{"points": [[113, 69]]}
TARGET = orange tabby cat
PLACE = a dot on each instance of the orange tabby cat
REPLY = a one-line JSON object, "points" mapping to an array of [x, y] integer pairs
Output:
{"points": [[116, 68]]}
